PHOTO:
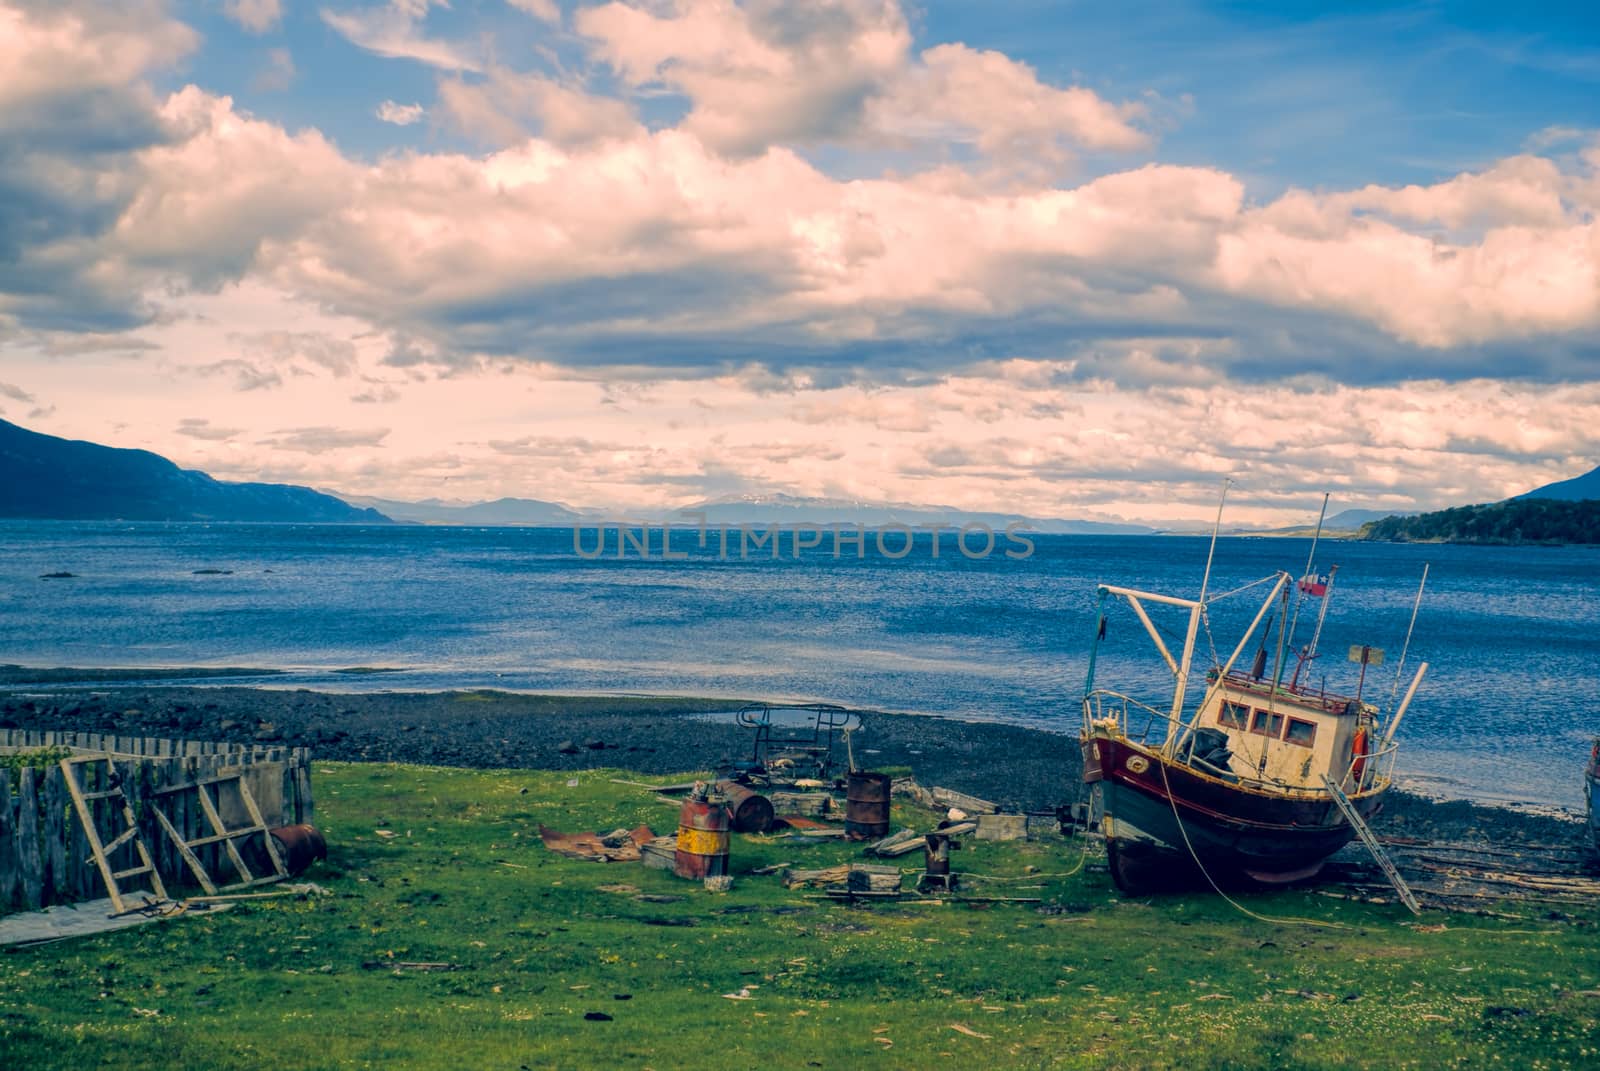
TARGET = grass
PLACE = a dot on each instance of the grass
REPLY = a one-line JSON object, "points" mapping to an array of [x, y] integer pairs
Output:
{"points": [[1094, 982]]}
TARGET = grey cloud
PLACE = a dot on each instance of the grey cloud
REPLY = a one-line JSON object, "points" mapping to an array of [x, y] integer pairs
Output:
{"points": [[201, 428], [247, 376], [14, 392], [320, 440], [337, 355]]}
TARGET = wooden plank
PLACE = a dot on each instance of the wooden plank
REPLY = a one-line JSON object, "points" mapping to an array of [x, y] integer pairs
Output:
{"points": [[949, 797], [8, 844], [91, 831], [55, 837], [177, 841], [255, 814], [30, 864], [203, 793]]}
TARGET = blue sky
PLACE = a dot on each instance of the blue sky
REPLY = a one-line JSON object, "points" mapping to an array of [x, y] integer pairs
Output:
{"points": [[1063, 258]]}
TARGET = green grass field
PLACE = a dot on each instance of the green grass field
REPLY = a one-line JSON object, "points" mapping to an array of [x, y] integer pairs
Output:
{"points": [[1092, 981]]}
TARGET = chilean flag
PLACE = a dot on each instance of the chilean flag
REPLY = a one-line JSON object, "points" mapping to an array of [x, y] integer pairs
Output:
{"points": [[1314, 584]]}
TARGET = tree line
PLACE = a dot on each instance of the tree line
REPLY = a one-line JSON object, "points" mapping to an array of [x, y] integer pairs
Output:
{"points": [[1518, 520]]}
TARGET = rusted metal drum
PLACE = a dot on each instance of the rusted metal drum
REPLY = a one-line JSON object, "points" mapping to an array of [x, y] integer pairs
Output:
{"points": [[702, 839], [937, 851], [299, 846], [752, 812], [866, 812]]}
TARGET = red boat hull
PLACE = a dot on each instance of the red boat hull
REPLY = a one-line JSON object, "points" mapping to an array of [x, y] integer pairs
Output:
{"points": [[1168, 826]]}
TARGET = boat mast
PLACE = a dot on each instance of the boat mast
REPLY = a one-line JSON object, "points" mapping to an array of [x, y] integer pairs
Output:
{"points": [[1199, 607], [1415, 606], [1300, 596]]}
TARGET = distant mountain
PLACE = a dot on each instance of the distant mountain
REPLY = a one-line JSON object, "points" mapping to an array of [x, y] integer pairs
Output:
{"points": [[795, 509], [1576, 489], [503, 511], [1345, 521], [47, 478], [1512, 522]]}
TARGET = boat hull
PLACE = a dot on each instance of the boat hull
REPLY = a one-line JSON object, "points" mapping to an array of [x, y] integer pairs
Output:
{"points": [[1167, 826]]}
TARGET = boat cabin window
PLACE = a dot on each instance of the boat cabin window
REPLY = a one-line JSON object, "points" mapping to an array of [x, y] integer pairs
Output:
{"points": [[1301, 732], [1267, 723], [1233, 716]]}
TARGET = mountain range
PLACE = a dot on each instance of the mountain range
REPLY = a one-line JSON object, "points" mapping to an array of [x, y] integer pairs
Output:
{"points": [[42, 476], [48, 478]]}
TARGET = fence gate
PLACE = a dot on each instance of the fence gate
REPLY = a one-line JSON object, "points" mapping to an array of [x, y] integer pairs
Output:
{"points": [[124, 832], [208, 792]]}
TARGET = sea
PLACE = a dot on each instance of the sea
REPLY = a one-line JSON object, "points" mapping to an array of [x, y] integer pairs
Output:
{"points": [[944, 625]]}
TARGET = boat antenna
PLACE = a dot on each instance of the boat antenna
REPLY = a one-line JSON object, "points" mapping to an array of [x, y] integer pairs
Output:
{"points": [[1300, 594], [1205, 581], [1415, 606]]}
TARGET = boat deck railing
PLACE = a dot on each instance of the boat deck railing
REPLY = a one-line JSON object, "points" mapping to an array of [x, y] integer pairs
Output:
{"points": [[1143, 724]]}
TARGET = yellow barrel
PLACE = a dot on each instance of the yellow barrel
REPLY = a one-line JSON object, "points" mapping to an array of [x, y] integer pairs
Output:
{"points": [[702, 839]]}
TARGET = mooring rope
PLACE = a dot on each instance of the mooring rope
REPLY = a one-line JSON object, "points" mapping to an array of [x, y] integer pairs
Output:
{"points": [[1212, 882]]}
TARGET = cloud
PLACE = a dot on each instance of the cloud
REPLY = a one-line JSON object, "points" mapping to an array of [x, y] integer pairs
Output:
{"points": [[987, 99], [544, 10], [321, 440], [74, 108], [247, 376], [279, 72], [15, 393], [377, 394], [257, 16], [697, 250], [507, 107], [767, 73], [394, 30], [400, 114], [760, 74], [287, 349], [201, 428]]}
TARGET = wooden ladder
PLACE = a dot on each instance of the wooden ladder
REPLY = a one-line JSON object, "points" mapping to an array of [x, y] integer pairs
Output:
{"points": [[102, 849], [1364, 831], [220, 833]]}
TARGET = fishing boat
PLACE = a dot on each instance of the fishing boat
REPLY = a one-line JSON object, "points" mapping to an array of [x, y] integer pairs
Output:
{"points": [[1591, 785], [1263, 776]]}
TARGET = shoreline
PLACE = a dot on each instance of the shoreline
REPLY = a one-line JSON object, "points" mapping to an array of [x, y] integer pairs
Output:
{"points": [[1026, 768]]}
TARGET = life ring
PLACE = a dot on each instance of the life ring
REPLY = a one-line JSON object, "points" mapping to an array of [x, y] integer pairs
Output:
{"points": [[1358, 753]]}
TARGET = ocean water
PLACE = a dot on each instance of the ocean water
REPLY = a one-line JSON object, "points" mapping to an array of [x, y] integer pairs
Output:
{"points": [[1506, 712]]}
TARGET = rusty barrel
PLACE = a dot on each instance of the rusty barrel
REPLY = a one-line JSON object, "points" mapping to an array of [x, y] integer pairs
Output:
{"points": [[702, 839], [936, 850], [866, 811], [752, 812], [299, 846]]}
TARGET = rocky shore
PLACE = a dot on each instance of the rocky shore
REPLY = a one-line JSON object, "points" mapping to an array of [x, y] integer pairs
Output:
{"points": [[1025, 768]]}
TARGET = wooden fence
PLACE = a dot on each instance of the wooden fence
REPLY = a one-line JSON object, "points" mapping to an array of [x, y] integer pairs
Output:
{"points": [[44, 854]]}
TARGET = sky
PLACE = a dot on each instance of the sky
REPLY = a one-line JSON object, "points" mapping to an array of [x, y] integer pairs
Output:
{"points": [[1078, 260]]}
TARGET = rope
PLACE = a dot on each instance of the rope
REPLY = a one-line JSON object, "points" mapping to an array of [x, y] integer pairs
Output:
{"points": [[1217, 888]]}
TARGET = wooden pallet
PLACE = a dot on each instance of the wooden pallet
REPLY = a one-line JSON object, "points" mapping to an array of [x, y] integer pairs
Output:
{"points": [[204, 790], [101, 848]]}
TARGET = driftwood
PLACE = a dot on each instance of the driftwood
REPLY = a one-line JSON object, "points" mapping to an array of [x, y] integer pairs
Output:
{"points": [[805, 804], [949, 797], [856, 877], [895, 844]]}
